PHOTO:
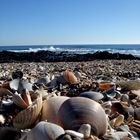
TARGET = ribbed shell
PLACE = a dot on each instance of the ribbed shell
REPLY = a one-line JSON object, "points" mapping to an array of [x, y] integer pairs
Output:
{"points": [[27, 117]]}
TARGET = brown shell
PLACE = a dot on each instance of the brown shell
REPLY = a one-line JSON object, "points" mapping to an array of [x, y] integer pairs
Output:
{"points": [[70, 77], [4, 92], [51, 107], [79, 110], [27, 117]]}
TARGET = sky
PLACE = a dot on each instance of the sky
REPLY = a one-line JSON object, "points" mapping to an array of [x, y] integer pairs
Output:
{"points": [[44, 22]]}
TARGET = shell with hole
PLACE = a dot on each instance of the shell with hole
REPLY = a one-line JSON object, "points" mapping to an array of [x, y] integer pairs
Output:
{"points": [[79, 110]]}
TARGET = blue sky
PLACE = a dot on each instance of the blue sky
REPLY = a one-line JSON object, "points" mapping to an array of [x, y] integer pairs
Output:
{"points": [[26, 22]]}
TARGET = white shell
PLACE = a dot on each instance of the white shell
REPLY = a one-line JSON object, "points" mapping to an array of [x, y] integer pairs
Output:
{"points": [[45, 131]]}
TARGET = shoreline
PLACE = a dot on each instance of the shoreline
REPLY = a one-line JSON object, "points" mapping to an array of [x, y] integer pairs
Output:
{"points": [[49, 56]]}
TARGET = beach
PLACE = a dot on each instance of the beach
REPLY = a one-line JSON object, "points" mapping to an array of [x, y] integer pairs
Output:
{"points": [[112, 84]]}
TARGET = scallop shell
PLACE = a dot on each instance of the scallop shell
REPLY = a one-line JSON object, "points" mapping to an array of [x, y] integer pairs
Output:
{"points": [[96, 96], [28, 116], [79, 110], [45, 131], [70, 77], [51, 107]]}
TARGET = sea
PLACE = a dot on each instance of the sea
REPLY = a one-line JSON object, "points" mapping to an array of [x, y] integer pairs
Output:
{"points": [[133, 49]]}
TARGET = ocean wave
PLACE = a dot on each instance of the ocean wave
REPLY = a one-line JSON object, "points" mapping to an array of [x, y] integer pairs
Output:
{"points": [[135, 52]]}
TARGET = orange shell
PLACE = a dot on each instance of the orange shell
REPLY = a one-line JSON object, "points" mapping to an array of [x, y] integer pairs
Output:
{"points": [[105, 86], [70, 77]]}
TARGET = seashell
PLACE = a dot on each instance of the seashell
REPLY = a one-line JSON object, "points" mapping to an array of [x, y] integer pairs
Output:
{"points": [[118, 107], [130, 85], [125, 98], [45, 131], [136, 92], [51, 107], [85, 129], [7, 133], [110, 93], [96, 96], [105, 86], [43, 80], [107, 104], [17, 74], [4, 92], [119, 135], [117, 121], [74, 134], [70, 77], [19, 85], [137, 113], [26, 96], [17, 99], [28, 116], [79, 110]]}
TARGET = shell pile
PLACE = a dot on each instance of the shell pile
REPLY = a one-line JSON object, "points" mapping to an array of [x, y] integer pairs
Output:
{"points": [[98, 100]]}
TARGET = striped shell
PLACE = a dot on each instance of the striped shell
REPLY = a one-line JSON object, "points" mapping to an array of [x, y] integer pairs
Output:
{"points": [[27, 117], [79, 110], [70, 77], [51, 107]]}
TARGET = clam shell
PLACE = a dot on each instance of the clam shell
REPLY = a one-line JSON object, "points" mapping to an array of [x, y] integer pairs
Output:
{"points": [[29, 116], [70, 77], [79, 110], [19, 85], [43, 80], [51, 107], [92, 95], [45, 131]]}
